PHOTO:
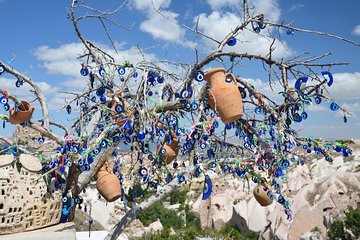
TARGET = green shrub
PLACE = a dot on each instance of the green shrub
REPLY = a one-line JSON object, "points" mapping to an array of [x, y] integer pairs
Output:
{"points": [[178, 196], [341, 228], [168, 218]]}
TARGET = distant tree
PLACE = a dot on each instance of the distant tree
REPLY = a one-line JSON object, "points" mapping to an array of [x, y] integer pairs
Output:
{"points": [[347, 228], [146, 114]]}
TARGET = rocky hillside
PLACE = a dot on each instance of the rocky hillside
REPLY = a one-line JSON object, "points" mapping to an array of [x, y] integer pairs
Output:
{"points": [[319, 192]]}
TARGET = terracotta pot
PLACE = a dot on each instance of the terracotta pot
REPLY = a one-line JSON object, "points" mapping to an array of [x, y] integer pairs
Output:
{"points": [[107, 184], [172, 150], [261, 196], [224, 95], [24, 113]]}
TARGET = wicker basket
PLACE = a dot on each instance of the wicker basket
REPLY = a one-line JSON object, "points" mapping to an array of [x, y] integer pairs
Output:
{"points": [[25, 203]]}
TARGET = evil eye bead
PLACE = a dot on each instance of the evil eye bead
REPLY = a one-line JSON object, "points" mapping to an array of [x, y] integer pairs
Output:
{"points": [[255, 28], [97, 151], [162, 151], [231, 42], [75, 150], [143, 172], [68, 109], [160, 79], [18, 83], [184, 93], [103, 99], [258, 110], [300, 82], [41, 140], [90, 159], [215, 124], [318, 99], [100, 91], [281, 199], [2, 69], [284, 163], [119, 108], [290, 32], [297, 117], [122, 70], [194, 106], [141, 136], [104, 143], [199, 76], [334, 106], [203, 145], [304, 115], [102, 72], [84, 71], [242, 92], [149, 93], [328, 77], [69, 163], [229, 79], [279, 172], [81, 162], [4, 100], [178, 132], [181, 178]]}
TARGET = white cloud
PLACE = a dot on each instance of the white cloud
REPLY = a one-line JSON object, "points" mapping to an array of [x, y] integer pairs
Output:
{"points": [[148, 4], [269, 8], [317, 108], [356, 30], [161, 28], [296, 6], [218, 25], [158, 26], [346, 86], [216, 4], [24, 91], [63, 59], [352, 107]]}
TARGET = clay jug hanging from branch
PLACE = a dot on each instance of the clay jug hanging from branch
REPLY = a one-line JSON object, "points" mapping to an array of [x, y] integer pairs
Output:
{"points": [[107, 184], [22, 114], [262, 196], [224, 95], [168, 152]]}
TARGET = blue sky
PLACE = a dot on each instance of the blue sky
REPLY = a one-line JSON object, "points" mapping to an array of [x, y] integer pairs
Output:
{"points": [[42, 44]]}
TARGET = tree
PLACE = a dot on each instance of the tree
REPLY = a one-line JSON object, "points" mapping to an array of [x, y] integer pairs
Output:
{"points": [[259, 144]]}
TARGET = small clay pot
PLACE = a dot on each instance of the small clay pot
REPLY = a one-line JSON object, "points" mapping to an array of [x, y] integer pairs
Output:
{"points": [[261, 196], [24, 113], [224, 95], [172, 150], [107, 184]]}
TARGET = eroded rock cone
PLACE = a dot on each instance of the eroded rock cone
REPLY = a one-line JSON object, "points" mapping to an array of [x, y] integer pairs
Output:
{"points": [[107, 184], [261, 196]]}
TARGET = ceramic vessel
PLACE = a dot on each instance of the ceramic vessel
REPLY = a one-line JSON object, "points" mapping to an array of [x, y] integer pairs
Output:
{"points": [[224, 95], [261, 196], [171, 150], [24, 113], [107, 184]]}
